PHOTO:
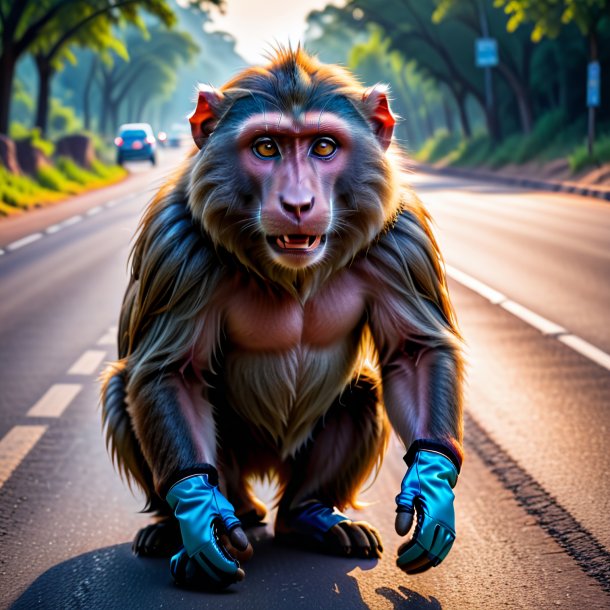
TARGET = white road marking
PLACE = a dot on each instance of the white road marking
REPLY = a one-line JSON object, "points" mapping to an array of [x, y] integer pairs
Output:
{"points": [[586, 349], [53, 229], [88, 363], [71, 221], [107, 339], [546, 327], [466, 280], [54, 402], [50, 230], [24, 241], [15, 446]]}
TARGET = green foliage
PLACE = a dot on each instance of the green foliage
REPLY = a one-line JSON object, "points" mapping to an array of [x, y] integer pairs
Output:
{"points": [[473, 152], [63, 119], [20, 132], [109, 173], [551, 138], [75, 173], [22, 104], [438, 147], [505, 152], [52, 179], [21, 192], [580, 158], [543, 134], [549, 16]]}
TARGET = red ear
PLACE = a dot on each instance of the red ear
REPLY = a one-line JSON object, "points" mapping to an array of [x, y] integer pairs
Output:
{"points": [[380, 115], [203, 120]]}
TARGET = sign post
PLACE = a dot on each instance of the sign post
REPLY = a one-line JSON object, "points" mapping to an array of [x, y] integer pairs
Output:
{"points": [[593, 99]]}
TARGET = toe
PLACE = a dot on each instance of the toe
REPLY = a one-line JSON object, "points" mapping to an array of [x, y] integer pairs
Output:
{"points": [[359, 541], [340, 539]]}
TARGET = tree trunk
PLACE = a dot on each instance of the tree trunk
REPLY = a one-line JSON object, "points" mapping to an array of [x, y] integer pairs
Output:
{"points": [[7, 73], [464, 120], [447, 111], [87, 94], [428, 122], [45, 73], [521, 95]]}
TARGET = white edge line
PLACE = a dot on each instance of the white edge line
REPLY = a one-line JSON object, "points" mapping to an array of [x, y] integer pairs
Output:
{"points": [[485, 291], [93, 211], [24, 241], [546, 327], [53, 229], [584, 348]]}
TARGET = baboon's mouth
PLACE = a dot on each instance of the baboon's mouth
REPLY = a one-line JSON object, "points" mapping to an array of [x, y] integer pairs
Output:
{"points": [[297, 243]]}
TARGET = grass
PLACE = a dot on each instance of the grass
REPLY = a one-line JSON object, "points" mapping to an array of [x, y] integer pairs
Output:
{"points": [[18, 193], [552, 137], [471, 153], [53, 179], [580, 158], [52, 184], [438, 147]]}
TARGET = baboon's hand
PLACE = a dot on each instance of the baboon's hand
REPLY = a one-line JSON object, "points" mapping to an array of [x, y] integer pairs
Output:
{"points": [[205, 516], [427, 491]]}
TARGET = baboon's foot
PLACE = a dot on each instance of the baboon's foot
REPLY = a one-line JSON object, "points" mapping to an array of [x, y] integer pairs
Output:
{"points": [[319, 527], [161, 539]]}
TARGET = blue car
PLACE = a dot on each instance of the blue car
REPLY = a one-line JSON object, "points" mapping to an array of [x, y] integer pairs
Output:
{"points": [[136, 142]]}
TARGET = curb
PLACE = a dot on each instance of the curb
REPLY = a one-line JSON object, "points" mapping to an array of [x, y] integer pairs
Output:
{"points": [[574, 188]]}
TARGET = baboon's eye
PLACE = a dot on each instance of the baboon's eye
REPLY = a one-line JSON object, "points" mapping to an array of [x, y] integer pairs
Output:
{"points": [[324, 148], [265, 148]]}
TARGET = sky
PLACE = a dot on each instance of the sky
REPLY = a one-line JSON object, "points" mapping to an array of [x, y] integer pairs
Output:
{"points": [[257, 24]]}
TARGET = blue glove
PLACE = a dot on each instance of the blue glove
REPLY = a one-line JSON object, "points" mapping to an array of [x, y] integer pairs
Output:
{"points": [[203, 513], [427, 488]]}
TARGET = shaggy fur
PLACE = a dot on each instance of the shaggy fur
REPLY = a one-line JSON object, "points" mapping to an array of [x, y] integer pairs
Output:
{"points": [[291, 414]]}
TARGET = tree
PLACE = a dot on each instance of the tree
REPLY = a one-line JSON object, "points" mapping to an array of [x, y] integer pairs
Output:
{"points": [[23, 22], [442, 50], [128, 87], [91, 29], [550, 16]]}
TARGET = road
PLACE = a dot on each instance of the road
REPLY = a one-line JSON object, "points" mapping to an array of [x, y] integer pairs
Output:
{"points": [[532, 501]]}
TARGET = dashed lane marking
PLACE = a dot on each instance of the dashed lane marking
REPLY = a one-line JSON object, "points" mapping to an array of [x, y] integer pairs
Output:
{"points": [[71, 221], [53, 229], [55, 401], [15, 446], [24, 241], [88, 363], [108, 338], [546, 327], [50, 230], [19, 441]]}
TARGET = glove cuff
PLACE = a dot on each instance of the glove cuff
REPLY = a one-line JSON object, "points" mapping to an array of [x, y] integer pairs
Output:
{"points": [[184, 473], [424, 444]]}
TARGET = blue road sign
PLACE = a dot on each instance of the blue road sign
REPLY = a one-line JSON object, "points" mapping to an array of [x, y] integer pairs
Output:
{"points": [[593, 84], [486, 52]]}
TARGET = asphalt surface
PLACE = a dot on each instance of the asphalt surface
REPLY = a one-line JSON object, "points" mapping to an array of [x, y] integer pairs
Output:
{"points": [[532, 501]]}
